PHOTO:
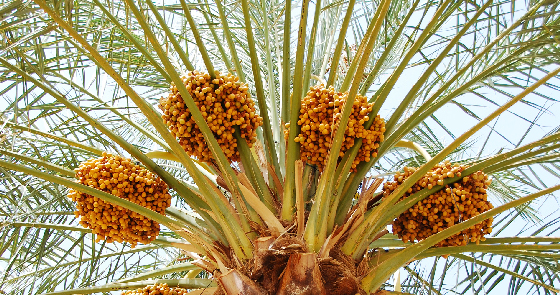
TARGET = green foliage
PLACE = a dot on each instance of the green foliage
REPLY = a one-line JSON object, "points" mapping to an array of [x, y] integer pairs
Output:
{"points": [[81, 77]]}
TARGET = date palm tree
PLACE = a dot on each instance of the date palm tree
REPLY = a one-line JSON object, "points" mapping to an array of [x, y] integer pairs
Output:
{"points": [[471, 82]]}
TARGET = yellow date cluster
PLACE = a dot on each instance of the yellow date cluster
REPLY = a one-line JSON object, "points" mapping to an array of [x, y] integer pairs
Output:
{"points": [[451, 205], [157, 289], [122, 178], [320, 113], [224, 103]]}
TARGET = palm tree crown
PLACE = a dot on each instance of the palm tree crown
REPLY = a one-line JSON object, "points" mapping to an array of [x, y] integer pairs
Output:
{"points": [[266, 147]]}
